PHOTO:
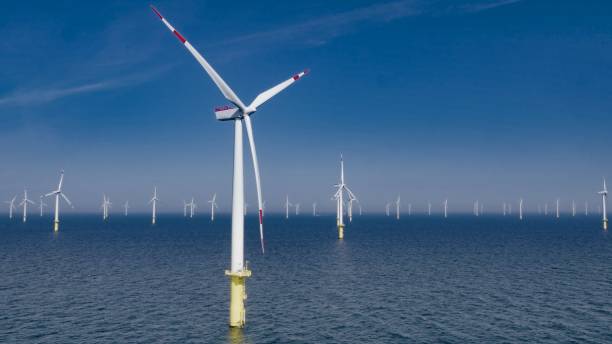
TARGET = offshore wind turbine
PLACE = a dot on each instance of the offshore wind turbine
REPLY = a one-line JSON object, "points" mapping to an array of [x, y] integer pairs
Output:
{"points": [[409, 209], [12, 207], [24, 203], [339, 196], [287, 205], [153, 203], [213, 206], [428, 208], [57, 193], [397, 208], [42, 205], [446, 208], [238, 113], [557, 208], [185, 205], [604, 201], [521, 209], [573, 208], [586, 208], [387, 206], [504, 209], [314, 209], [192, 207], [126, 206], [297, 209], [105, 205]]}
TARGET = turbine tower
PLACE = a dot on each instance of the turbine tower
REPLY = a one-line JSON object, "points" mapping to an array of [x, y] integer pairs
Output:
{"points": [[153, 203], [238, 113], [428, 208], [185, 205], [192, 207], [287, 205], [57, 193], [24, 203], [342, 188], [297, 209], [557, 208], [12, 207], [573, 208], [314, 209], [521, 209], [387, 206], [105, 205], [213, 205], [446, 208], [126, 206], [42, 205], [604, 201], [586, 208], [397, 208]]}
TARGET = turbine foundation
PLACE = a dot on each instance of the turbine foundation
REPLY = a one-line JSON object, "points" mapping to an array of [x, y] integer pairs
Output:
{"points": [[605, 224], [56, 226], [237, 297], [340, 231]]}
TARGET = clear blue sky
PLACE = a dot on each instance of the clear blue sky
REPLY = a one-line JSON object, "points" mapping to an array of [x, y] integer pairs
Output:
{"points": [[487, 99]]}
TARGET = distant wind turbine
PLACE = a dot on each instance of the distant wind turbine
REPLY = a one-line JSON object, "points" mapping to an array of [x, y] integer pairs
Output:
{"points": [[397, 207], [24, 203], [446, 208], [287, 205], [314, 209], [387, 206], [126, 206], [341, 189], [297, 209], [12, 207], [604, 201], [557, 208], [57, 193], [153, 203], [213, 205], [42, 205], [428, 208], [521, 209], [192, 205]]}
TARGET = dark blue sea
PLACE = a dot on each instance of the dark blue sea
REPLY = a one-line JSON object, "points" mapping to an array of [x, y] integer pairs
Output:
{"points": [[422, 279]]}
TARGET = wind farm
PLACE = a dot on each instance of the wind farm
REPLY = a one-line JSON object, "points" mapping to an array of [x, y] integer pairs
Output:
{"points": [[439, 176]]}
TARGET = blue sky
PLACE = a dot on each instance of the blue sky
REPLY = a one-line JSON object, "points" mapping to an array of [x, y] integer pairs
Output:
{"points": [[484, 99]]}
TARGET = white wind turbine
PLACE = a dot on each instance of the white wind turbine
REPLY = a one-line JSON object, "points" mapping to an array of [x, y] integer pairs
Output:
{"points": [[350, 208], [557, 208], [213, 205], [238, 113], [314, 209], [126, 206], [192, 207], [504, 209], [297, 209], [57, 193], [546, 209], [153, 203], [387, 206], [446, 208], [287, 205], [397, 208], [105, 206], [185, 205], [573, 208], [409, 209], [428, 208], [341, 189], [521, 209], [42, 205], [604, 204], [12, 207], [24, 203], [586, 208]]}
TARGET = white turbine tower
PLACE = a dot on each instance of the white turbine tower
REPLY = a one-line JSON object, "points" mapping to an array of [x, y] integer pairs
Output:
{"points": [[185, 205], [297, 209], [446, 208], [192, 207], [604, 205], [238, 113], [287, 205], [387, 206], [153, 203], [557, 208], [339, 196], [314, 209], [105, 206], [12, 207], [586, 208], [42, 205], [409, 209], [573, 208], [428, 208], [213, 205], [397, 208], [126, 206], [57, 193], [24, 203], [504, 209], [521, 209]]}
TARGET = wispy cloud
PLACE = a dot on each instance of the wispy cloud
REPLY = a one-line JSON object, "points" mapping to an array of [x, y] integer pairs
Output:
{"points": [[26, 97], [319, 30], [483, 6]]}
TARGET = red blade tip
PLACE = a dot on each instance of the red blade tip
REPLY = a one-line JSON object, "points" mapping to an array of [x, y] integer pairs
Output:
{"points": [[156, 12]]}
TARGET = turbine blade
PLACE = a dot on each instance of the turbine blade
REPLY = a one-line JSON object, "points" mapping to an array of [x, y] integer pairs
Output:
{"points": [[249, 127], [268, 94], [223, 87], [67, 200]]}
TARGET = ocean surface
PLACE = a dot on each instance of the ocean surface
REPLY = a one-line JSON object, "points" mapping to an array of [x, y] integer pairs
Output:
{"points": [[464, 279]]}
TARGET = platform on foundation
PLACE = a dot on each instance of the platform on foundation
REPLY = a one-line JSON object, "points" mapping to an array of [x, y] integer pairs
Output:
{"points": [[237, 297]]}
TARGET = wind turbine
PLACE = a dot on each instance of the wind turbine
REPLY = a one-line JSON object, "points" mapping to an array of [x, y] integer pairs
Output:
{"points": [[297, 209], [359, 204], [573, 208], [105, 205], [42, 205], [387, 206], [57, 193], [339, 196], [557, 208], [446, 208], [12, 207], [586, 208], [504, 209], [185, 205], [521, 209], [314, 209], [604, 201], [428, 208], [126, 206], [213, 205], [192, 207], [409, 209], [153, 203], [350, 208], [24, 203], [287, 205], [397, 207], [239, 114]]}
